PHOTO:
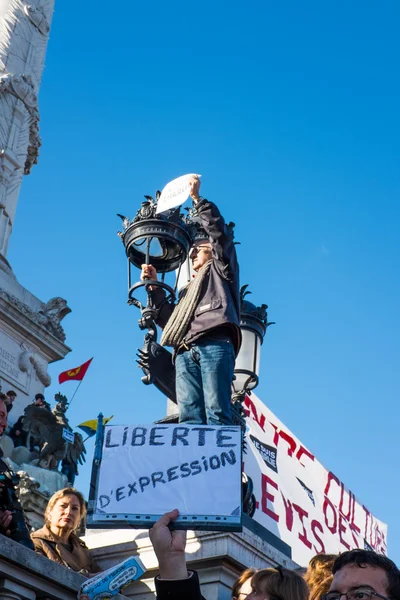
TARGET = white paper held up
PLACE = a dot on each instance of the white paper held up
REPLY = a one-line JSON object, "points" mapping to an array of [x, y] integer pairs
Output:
{"points": [[175, 193]]}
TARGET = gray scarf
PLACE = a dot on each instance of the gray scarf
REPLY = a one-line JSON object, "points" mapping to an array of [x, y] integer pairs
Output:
{"points": [[178, 323]]}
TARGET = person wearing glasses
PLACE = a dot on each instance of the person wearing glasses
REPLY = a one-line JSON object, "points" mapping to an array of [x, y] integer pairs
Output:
{"points": [[204, 327], [364, 575]]}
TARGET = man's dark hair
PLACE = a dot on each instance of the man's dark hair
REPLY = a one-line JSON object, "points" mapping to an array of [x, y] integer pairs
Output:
{"points": [[363, 558], [12, 393], [3, 397], [39, 397]]}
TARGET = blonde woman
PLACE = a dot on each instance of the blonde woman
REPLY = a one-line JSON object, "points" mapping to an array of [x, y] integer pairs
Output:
{"points": [[57, 539], [277, 584]]}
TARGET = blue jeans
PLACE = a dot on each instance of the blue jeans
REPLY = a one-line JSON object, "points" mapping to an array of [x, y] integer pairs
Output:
{"points": [[204, 376]]}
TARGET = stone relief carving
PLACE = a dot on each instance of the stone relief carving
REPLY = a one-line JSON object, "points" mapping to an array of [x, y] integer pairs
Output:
{"points": [[21, 86], [37, 18], [27, 485], [28, 358], [49, 316], [46, 430]]}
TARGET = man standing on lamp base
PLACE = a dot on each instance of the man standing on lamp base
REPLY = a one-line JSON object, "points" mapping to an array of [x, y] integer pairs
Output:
{"points": [[204, 327]]}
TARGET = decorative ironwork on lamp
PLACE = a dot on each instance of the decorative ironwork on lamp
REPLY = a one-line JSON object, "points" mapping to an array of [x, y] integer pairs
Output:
{"points": [[162, 240]]}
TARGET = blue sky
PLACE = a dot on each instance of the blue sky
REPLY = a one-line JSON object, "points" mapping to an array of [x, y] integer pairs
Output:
{"points": [[290, 112]]}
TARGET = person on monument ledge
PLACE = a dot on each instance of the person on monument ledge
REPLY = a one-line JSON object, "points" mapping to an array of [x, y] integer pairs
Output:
{"points": [[204, 327]]}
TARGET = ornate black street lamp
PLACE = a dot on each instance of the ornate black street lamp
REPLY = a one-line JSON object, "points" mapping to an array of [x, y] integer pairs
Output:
{"points": [[162, 240]]}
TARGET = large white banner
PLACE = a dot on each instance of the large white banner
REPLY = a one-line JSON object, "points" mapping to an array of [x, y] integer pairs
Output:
{"points": [[146, 470], [305, 505]]}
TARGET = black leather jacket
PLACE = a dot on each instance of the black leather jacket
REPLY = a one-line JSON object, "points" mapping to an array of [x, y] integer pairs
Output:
{"points": [[219, 303]]}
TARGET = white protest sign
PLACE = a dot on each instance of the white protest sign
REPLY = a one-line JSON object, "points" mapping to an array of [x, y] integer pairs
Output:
{"points": [[301, 502], [175, 193], [147, 470]]}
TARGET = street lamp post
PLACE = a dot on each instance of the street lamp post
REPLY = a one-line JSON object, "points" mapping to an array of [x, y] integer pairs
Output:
{"points": [[162, 240]]}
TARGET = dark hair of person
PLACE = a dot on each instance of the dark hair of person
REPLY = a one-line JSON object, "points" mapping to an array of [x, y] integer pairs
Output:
{"points": [[243, 577], [319, 568], [39, 397], [364, 558], [3, 397], [280, 584], [12, 393]]}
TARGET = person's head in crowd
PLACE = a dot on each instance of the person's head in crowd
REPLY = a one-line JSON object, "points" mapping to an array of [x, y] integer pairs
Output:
{"points": [[64, 512], [364, 575], [319, 568], [278, 583], [57, 540], [11, 395], [200, 253], [321, 588], [242, 586], [39, 400], [3, 413]]}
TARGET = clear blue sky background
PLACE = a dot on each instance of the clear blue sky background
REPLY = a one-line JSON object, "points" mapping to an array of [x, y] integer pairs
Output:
{"points": [[290, 110]]}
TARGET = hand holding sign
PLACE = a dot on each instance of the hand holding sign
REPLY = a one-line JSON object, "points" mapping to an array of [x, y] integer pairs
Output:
{"points": [[169, 547], [176, 192], [194, 187]]}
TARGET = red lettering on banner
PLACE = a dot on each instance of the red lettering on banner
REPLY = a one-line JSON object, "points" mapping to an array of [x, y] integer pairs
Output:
{"points": [[350, 502], [352, 524], [302, 536], [332, 528], [260, 420], [380, 542], [317, 525], [291, 442], [285, 436], [288, 512], [354, 530], [302, 451], [265, 480], [331, 477], [342, 529], [367, 515]]}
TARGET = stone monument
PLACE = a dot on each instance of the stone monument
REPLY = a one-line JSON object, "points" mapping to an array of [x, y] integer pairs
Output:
{"points": [[31, 335]]}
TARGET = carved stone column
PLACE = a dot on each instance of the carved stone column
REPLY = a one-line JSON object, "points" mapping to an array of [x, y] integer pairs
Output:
{"points": [[10, 590], [24, 33]]}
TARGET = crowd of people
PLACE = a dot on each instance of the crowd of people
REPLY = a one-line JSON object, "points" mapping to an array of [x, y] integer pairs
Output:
{"points": [[354, 575]]}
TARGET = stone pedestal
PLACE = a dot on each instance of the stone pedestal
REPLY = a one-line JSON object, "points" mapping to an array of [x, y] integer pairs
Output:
{"points": [[24, 575], [31, 337], [218, 557], [30, 333]]}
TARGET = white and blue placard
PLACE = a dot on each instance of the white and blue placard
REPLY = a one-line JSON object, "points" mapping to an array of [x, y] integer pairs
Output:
{"points": [[144, 471]]}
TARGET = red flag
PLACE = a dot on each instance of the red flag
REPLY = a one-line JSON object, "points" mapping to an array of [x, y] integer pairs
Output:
{"points": [[78, 374]]}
